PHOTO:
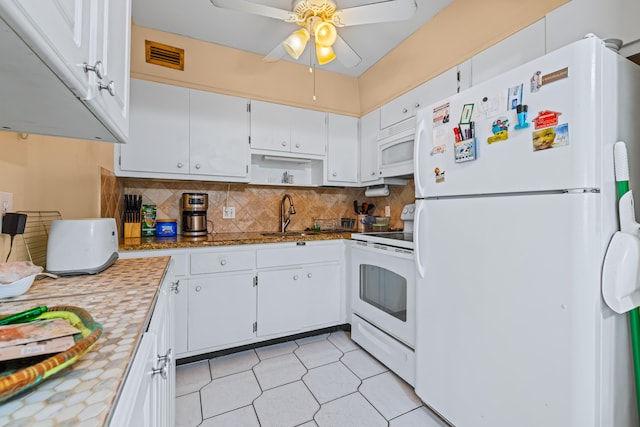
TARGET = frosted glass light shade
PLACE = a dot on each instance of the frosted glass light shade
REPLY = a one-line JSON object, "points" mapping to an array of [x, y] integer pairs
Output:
{"points": [[325, 54], [296, 42], [325, 34]]}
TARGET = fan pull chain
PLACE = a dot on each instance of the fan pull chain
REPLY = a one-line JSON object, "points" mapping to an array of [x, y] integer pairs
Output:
{"points": [[312, 69]]}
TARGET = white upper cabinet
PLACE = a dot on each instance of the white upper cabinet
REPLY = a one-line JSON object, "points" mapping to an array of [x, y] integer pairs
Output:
{"points": [[113, 51], [612, 19], [85, 44], [219, 129], [286, 129], [159, 133], [342, 150], [369, 128], [523, 46], [401, 108], [184, 133]]}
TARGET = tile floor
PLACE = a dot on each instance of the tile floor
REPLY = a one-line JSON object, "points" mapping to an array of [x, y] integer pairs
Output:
{"points": [[324, 380]]}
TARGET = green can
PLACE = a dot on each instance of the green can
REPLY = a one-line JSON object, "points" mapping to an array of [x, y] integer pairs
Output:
{"points": [[148, 220]]}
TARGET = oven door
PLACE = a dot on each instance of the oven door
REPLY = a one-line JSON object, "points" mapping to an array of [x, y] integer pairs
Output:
{"points": [[383, 289]]}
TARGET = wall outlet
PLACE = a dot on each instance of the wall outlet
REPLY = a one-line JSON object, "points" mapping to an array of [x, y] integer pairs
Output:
{"points": [[228, 212], [387, 211], [6, 205]]}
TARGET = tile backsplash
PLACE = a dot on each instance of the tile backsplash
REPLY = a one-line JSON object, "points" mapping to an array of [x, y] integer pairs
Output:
{"points": [[257, 208]]}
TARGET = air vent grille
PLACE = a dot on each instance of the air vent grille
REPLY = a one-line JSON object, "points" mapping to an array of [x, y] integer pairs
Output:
{"points": [[164, 55]]}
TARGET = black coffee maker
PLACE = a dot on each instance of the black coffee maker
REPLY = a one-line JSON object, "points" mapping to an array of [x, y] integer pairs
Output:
{"points": [[194, 214]]}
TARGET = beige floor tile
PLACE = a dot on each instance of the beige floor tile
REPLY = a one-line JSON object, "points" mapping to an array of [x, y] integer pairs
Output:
{"points": [[228, 393], [349, 411], [318, 353], [288, 405], [363, 364], [278, 371], [188, 413], [331, 381], [233, 363], [342, 340], [389, 394], [276, 350], [192, 377], [418, 417], [243, 417]]}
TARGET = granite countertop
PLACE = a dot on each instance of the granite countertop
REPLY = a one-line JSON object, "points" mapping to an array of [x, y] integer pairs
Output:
{"points": [[121, 299], [225, 239]]}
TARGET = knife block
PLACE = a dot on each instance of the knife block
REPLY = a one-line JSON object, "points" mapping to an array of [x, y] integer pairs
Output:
{"points": [[132, 229]]}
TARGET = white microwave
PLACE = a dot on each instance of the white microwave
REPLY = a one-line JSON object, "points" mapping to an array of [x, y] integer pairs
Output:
{"points": [[395, 151]]}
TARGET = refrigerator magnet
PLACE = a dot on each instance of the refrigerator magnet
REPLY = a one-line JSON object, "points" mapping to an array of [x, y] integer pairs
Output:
{"points": [[439, 174], [514, 97], [441, 114], [546, 118], [500, 130], [467, 111], [536, 81], [551, 137], [465, 151]]}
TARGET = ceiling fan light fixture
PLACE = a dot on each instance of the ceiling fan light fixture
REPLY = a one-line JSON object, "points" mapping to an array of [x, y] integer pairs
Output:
{"points": [[296, 42], [324, 54], [325, 33]]}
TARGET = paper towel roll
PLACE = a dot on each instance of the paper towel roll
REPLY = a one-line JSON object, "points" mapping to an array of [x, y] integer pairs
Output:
{"points": [[378, 191]]}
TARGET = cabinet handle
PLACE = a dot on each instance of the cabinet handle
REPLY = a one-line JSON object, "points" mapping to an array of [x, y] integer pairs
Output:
{"points": [[404, 111], [175, 287], [417, 105], [93, 68], [284, 143], [309, 275], [109, 87], [223, 262], [197, 165], [162, 370], [335, 174], [297, 145], [295, 277], [198, 288], [166, 358], [373, 173], [179, 165]]}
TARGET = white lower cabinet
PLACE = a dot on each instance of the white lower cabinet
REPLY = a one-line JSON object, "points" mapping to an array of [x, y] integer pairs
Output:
{"points": [[221, 310], [297, 299], [147, 398], [229, 296]]}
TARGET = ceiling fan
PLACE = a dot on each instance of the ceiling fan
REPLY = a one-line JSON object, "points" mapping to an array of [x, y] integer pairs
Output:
{"points": [[318, 19]]}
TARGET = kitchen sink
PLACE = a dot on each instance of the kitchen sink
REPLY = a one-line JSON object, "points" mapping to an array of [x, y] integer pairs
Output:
{"points": [[290, 234]]}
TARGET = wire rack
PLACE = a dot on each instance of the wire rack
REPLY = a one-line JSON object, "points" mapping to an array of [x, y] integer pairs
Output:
{"points": [[33, 245]]}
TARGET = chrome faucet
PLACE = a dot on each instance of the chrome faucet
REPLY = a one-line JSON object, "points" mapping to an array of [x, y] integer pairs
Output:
{"points": [[285, 218]]}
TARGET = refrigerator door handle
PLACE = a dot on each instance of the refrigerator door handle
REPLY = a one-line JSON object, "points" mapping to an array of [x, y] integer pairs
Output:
{"points": [[416, 159], [416, 238]]}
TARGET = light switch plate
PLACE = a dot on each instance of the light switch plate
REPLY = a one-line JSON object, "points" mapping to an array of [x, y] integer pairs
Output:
{"points": [[387, 211], [228, 212]]}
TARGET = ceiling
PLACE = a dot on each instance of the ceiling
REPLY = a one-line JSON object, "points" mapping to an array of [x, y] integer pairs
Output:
{"points": [[199, 19]]}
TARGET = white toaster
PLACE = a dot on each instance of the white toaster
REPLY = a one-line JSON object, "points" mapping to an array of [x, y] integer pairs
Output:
{"points": [[81, 246]]}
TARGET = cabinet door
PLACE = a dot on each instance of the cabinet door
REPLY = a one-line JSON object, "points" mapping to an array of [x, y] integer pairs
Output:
{"points": [[308, 131], [270, 129], [159, 133], [219, 135], [342, 149], [222, 310], [180, 313], [369, 127], [298, 299], [438, 88], [521, 47], [113, 45], [398, 109], [60, 32]]}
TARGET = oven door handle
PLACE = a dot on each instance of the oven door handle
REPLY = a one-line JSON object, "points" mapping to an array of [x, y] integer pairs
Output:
{"points": [[416, 238]]}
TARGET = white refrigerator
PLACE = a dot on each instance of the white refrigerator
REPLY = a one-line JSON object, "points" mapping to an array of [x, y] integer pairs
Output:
{"points": [[513, 219]]}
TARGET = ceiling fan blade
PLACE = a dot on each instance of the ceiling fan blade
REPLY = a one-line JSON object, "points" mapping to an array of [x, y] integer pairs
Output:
{"points": [[386, 11], [276, 54], [345, 54], [256, 9]]}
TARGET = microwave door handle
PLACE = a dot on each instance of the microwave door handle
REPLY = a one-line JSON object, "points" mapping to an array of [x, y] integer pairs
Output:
{"points": [[416, 159], [416, 238]]}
